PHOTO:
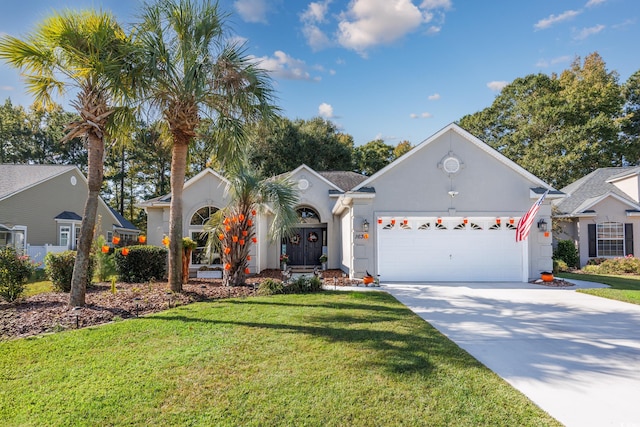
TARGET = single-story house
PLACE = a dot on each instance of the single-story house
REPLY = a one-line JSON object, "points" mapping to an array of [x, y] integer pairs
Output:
{"points": [[445, 211], [601, 213], [41, 209]]}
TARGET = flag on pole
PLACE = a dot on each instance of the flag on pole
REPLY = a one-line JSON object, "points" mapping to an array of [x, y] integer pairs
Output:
{"points": [[524, 225]]}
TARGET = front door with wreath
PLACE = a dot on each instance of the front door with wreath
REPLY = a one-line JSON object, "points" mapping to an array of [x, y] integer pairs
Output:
{"points": [[304, 247]]}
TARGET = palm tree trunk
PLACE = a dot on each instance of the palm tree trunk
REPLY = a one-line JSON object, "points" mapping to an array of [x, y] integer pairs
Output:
{"points": [[81, 265], [178, 170]]}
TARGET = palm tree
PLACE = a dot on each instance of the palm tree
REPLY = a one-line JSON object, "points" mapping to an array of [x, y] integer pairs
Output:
{"points": [[88, 52], [193, 72], [231, 230]]}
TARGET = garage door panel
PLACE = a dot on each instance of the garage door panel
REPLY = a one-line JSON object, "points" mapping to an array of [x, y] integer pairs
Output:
{"points": [[448, 254]]}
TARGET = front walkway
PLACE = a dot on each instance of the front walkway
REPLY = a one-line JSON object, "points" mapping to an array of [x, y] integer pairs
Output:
{"points": [[576, 356]]}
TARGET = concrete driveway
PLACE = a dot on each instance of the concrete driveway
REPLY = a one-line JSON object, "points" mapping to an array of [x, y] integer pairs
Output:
{"points": [[576, 356]]}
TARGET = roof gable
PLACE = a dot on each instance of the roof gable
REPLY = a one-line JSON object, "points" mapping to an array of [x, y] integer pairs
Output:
{"points": [[466, 136], [17, 178], [307, 169], [594, 187]]}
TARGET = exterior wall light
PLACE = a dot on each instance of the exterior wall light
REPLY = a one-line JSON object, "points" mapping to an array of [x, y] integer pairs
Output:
{"points": [[542, 225], [365, 225]]}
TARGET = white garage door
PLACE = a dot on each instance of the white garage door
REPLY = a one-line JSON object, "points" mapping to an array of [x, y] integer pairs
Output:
{"points": [[449, 249]]}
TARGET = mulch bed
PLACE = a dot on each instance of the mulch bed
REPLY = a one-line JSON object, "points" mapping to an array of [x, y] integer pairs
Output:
{"points": [[555, 283], [50, 312]]}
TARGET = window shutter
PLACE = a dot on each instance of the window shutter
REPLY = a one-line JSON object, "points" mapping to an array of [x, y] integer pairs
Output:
{"points": [[628, 239], [591, 228]]}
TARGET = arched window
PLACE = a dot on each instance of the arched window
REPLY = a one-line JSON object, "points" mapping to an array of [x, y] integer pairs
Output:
{"points": [[202, 215], [308, 216], [196, 227]]}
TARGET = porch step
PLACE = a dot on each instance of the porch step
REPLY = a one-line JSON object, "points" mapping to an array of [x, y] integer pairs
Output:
{"points": [[302, 268]]}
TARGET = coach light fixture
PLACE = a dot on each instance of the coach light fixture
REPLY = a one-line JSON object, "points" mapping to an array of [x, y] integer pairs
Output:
{"points": [[365, 225], [542, 225]]}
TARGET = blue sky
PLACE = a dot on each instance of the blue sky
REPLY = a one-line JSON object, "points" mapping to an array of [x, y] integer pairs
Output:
{"points": [[394, 69]]}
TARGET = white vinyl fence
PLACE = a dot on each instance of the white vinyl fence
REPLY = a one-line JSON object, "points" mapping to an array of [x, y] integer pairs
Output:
{"points": [[37, 253]]}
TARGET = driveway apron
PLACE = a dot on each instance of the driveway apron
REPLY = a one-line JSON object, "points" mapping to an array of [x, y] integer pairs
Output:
{"points": [[576, 356]]}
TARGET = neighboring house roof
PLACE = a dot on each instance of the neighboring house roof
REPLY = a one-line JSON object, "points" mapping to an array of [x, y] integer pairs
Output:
{"points": [[592, 188], [17, 178], [71, 216], [123, 222], [345, 180]]}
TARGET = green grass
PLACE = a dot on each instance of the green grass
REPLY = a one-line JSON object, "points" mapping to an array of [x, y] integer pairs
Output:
{"points": [[35, 288], [327, 359], [623, 288]]}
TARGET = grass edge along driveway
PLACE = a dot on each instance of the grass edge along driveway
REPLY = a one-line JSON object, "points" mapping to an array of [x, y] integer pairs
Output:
{"points": [[327, 359], [623, 288]]}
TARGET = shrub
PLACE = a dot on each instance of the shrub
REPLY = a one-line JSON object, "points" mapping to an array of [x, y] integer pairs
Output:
{"points": [[626, 265], [143, 263], [567, 252], [15, 270], [304, 284], [59, 268], [105, 264], [596, 261], [270, 287], [559, 265]]}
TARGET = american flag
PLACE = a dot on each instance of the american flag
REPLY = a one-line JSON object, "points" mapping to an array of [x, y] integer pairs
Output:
{"points": [[524, 225]]}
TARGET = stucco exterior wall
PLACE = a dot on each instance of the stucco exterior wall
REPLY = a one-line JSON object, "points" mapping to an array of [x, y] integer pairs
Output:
{"points": [[607, 210], [630, 186], [485, 186]]}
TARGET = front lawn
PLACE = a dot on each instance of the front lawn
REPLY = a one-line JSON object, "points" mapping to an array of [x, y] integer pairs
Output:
{"points": [[333, 358], [623, 288]]}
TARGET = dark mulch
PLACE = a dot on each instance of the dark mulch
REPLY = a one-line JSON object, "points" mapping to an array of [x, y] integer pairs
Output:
{"points": [[50, 312]]}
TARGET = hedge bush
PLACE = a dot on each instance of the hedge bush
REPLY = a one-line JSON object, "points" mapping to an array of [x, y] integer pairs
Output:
{"points": [[15, 270], [143, 263], [626, 265], [59, 268], [567, 252], [301, 285]]}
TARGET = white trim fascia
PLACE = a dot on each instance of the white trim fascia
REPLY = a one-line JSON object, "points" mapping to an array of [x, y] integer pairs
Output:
{"points": [[634, 214], [308, 169], [469, 137], [595, 200], [345, 200], [68, 169], [635, 171]]}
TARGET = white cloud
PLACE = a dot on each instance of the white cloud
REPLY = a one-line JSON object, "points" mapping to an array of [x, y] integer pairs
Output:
{"points": [[252, 10], [586, 32], [553, 61], [554, 19], [325, 110], [592, 3], [436, 4], [434, 97], [284, 66], [8, 88], [424, 115], [315, 14], [368, 23], [497, 85]]}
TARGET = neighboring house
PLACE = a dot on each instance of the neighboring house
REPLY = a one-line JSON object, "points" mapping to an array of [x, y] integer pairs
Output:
{"points": [[445, 211], [41, 208], [601, 213]]}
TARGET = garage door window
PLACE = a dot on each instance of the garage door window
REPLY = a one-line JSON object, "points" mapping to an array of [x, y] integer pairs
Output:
{"points": [[610, 239]]}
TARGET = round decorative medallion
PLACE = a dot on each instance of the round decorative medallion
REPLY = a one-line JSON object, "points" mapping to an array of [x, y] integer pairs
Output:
{"points": [[451, 165], [73, 180], [303, 184]]}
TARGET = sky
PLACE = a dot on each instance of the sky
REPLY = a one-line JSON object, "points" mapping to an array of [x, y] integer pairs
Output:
{"points": [[396, 70]]}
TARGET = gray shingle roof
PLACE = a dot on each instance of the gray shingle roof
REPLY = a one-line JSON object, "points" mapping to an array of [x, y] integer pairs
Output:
{"points": [[15, 178], [345, 180], [590, 187]]}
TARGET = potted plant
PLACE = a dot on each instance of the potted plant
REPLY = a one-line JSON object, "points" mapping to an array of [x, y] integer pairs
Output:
{"points": [[284, 259], [323, 261]]}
